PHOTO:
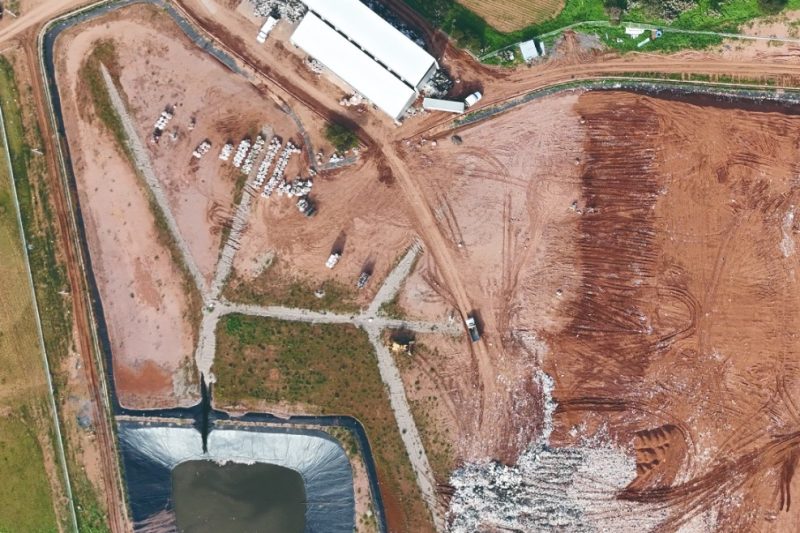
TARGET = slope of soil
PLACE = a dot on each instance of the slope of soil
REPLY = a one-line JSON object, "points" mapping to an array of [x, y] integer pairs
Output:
{"points": [[680, 333], [141, 287], [497, 196]]}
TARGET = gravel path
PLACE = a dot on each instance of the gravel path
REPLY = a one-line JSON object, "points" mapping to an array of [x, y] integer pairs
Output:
{"points": [[394, 280], [142, 160], [369, 320], [225, 262]]}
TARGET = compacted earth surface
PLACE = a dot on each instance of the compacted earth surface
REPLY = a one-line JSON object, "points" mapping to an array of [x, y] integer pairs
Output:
{"points": [[640, 251]]}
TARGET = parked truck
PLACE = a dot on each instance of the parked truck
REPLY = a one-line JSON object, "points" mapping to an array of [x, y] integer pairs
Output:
{"points": [[473, 99], [472, 327]]}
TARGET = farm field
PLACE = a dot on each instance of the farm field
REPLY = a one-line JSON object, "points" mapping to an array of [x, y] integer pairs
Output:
{"points": [[30, 497], [511, 15], [472, 24]]}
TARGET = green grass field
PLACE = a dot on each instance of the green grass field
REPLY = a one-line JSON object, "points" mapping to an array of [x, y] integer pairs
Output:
{"points": [[473, 33], [26, 500], [50, 283], [332, 369]]}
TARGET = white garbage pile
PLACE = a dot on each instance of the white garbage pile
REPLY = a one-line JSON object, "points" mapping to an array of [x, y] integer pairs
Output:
{"points": [[550, 489], [241, 152], [280, 167], [351, 101], [296, 187], [226, 151], [292, 10], [263, 168], [202, 149], [253, 155], [161, 124]]}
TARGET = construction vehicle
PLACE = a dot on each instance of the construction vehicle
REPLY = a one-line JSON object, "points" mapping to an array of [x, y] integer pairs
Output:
{"points": [[472, 327]]}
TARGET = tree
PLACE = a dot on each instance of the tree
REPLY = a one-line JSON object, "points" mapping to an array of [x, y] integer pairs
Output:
{"points": [[341, 137], [772, 6], [616, 4]]}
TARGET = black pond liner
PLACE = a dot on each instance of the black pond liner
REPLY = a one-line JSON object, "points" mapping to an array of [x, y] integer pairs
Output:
{"points": [[150, 451], [202, 414]]}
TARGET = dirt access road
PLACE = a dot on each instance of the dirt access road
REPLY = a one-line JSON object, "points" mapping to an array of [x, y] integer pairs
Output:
{"points": [[384, 140], [499, 86]]}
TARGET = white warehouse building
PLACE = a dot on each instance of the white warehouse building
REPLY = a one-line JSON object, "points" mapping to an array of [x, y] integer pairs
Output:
{"points": [[366, 52]]}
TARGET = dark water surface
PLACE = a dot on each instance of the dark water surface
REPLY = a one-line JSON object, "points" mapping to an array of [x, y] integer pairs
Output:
{"points": [[238, 498]]}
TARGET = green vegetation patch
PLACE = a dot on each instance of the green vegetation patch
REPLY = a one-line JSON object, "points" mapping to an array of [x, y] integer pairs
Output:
{"points": [[271, 287], [49, 275], [341, 137], [25, 498], [104, 53], [27, 494], [328, 366], [473, 33]]}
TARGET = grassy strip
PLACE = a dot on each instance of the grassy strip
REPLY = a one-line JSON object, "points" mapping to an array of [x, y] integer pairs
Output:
{"points": [[26, 433], [104, 53], [391, 308], [470, 31], [49, 274], [331, 368], [271, 288], [25, 492], [50, 279]]}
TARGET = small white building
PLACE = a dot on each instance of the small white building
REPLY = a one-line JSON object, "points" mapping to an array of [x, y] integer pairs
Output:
{"points": [[528, 50], [633, 31]]}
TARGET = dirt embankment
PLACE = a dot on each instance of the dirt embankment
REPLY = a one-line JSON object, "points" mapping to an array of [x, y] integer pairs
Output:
{"points": [[496, 195], [681, 328], [143, 294]]}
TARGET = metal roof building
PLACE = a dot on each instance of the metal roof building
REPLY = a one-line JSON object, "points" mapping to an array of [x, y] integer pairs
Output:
{"points": [[353, 65], [377, 38]]}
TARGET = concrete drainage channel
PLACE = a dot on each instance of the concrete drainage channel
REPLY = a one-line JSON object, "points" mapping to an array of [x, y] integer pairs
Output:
{"points": [[153, 442]]}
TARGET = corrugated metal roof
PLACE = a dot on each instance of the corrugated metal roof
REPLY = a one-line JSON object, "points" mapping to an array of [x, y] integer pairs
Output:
{"points": [[436, 104], [528, 49], [379, 38], [353, 66]]}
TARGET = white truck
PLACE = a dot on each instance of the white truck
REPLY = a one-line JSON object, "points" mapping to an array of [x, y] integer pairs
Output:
{"points": [[472, 327], [473, 99], [332, 260]]}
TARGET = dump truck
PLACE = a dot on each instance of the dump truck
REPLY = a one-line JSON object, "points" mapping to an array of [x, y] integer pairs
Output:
{"points": [[472, 327]]}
